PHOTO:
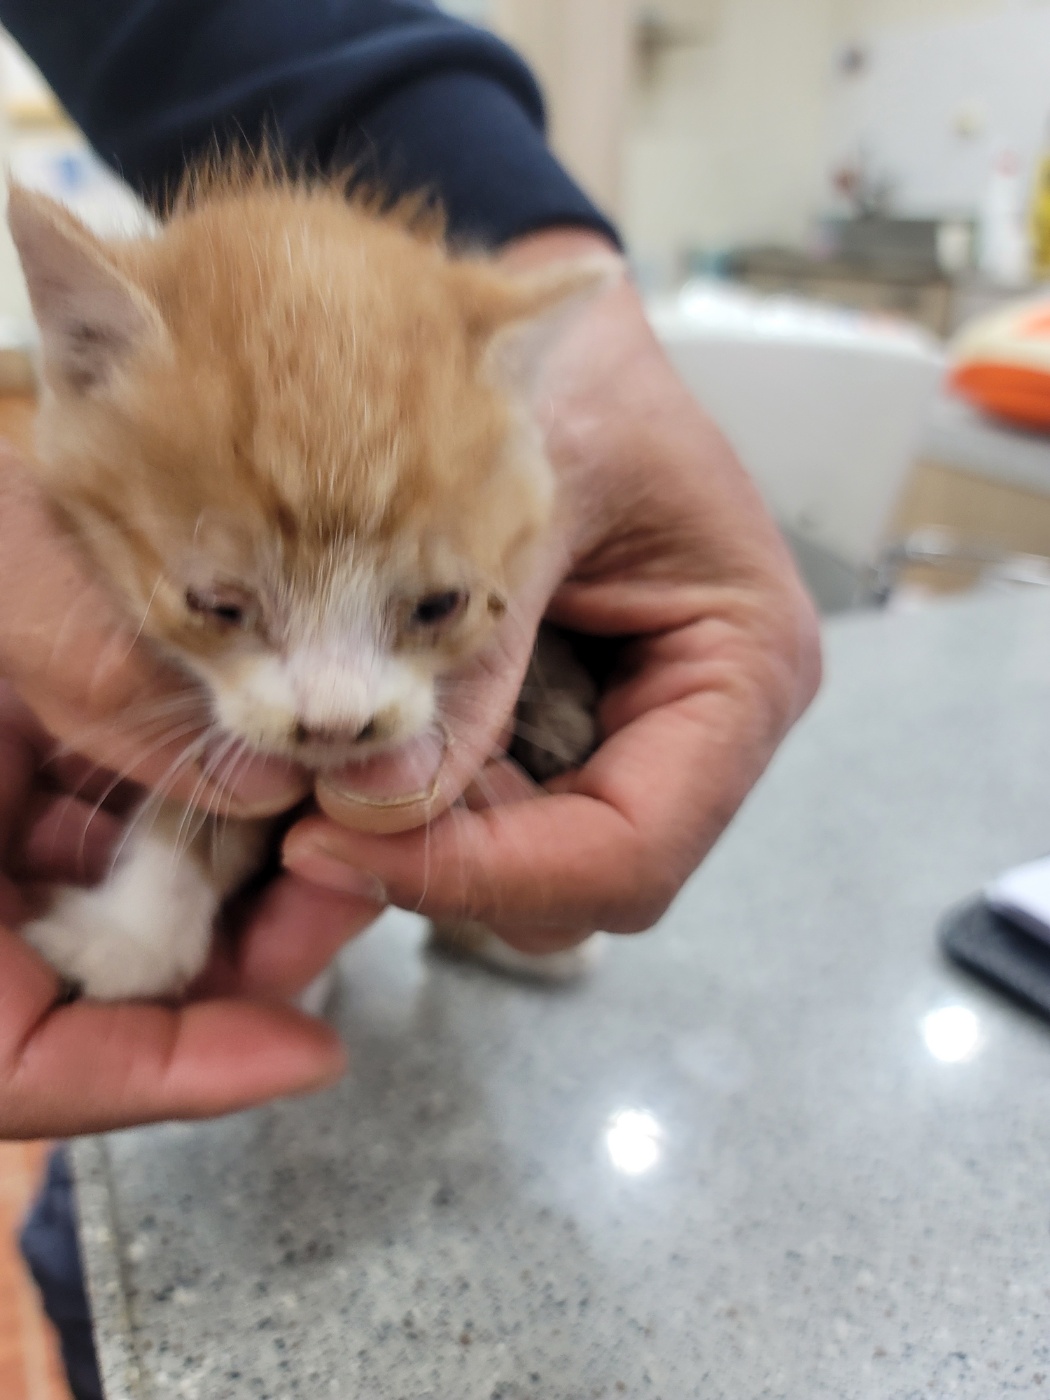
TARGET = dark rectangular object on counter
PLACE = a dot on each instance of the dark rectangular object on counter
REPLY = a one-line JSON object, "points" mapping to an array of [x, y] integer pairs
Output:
{"points": [[998, 951]]}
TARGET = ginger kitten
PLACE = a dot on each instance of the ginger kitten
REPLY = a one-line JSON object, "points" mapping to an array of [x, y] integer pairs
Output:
{"points": [[291, 435]]}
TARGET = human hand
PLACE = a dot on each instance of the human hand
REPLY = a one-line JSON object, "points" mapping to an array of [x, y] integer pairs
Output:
{"points": [[88, 1067], [660, 539]]}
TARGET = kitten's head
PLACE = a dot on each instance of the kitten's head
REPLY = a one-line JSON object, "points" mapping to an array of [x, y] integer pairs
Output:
{"points": [[292, 436]]}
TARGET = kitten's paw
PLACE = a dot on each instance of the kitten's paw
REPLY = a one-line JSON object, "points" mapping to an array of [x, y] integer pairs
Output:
{"points": [[465, 938], [556, 726], [113, 953]]}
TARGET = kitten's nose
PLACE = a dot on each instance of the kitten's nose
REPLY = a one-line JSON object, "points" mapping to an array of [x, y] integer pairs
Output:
{"points": [[332, 734]]}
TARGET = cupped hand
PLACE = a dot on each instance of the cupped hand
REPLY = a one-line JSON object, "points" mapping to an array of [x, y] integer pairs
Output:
{"points": [[661, 541], [86, 1067]]}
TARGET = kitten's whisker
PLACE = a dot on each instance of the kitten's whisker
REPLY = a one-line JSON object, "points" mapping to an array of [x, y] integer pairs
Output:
{"points": [[191, 754], [134, 640], [186, 833], [167, 735], [221, 805], [115, 780], [73, 746], [222, 775], [182, 700], [225, 789], [206, 773], [157, 796], [455, 815], [539, 739], [426, 861]]}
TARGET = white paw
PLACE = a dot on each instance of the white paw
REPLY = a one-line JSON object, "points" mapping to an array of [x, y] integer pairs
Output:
{"points": [[471, 940], [568, 965], [143, 933]]}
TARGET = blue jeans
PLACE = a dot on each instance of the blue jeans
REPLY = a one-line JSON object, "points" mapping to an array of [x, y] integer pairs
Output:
{"points": [[49, 1244]]}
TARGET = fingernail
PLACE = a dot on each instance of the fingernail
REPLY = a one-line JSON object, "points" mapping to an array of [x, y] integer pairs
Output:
{"points": [[404, 778], [319, 866]]}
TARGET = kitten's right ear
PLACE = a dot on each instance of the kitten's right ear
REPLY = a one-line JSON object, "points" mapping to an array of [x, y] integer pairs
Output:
{"points": [[91, 316], [517, 316]]}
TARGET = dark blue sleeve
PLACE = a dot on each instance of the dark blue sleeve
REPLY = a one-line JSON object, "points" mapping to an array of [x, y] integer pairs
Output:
{"points": [[412, 97]]}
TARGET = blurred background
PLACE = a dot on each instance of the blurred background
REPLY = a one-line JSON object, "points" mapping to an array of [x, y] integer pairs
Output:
{"points": [[817, 199]]}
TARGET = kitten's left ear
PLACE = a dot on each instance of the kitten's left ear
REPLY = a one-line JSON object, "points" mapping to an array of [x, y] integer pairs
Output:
{"points": [[518, 316], [90, 314]]}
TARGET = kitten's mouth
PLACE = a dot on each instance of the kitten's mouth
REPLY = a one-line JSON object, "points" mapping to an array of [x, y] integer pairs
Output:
{"points": [[327, 756], [377, 773]]}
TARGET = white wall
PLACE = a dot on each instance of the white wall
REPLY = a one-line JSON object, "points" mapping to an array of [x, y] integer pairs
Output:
{"points": [[725, 142], [875, 14], [939, 98], [725, 138], [736, 138]]}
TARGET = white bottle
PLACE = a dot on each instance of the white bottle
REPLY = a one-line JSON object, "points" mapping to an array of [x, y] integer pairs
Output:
{"points": [[1005, 255]]}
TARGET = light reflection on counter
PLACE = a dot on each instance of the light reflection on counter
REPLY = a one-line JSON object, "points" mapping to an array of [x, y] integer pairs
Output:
{"points": [[952, 1034], [634, 1141]]}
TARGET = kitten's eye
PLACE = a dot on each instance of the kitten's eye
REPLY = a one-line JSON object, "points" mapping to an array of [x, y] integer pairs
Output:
{"points": [[438, 607], [223, 605]]}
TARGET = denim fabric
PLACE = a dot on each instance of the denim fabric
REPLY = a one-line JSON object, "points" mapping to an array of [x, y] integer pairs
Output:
{"points": [[49, 1244]]}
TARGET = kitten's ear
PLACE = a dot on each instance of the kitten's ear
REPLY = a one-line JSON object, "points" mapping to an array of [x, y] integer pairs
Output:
{"points": [[518, 316], [91, 316]]}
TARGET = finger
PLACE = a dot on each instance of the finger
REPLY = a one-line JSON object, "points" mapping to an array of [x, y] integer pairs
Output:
{"points": [[89, 1067], [612, 844], [80, 777], [80, 667], [293, 933], [67, 840], [135, 735], [16, 903], [21, 742], [400, 791], [529, 863], [499, 784]]}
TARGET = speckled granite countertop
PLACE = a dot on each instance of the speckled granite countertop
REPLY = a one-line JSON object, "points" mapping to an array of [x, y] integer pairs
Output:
{"points": [[740, 1162]]}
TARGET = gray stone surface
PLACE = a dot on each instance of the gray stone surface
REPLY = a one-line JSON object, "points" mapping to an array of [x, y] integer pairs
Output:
{"points": [[827, 1209]]}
